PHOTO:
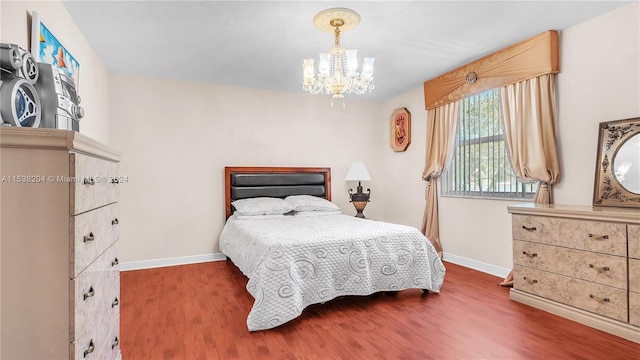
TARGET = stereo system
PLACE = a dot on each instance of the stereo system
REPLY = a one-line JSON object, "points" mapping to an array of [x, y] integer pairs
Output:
{"points": [[36, 94], [59, 100]]}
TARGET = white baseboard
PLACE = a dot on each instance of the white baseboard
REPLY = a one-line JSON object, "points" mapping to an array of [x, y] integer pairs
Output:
{"points": [[195, 259], [476, 265], [156, 263]]}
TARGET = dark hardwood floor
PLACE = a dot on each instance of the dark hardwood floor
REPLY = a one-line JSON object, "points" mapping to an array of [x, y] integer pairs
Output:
{"points": [[199, 312]]}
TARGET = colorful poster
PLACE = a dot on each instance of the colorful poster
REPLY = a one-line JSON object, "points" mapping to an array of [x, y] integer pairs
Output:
{"points": [[46, 48]]}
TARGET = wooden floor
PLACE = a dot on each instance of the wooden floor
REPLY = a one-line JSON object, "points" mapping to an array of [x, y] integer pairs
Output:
{"points": [[199, 312]]}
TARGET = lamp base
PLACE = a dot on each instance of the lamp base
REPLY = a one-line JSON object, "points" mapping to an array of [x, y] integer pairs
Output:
{"points": [[359, 200], [359, 205]]}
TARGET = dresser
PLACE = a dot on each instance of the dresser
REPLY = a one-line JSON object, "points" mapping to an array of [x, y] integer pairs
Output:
{"points": [[59, 269], [579, 262]]}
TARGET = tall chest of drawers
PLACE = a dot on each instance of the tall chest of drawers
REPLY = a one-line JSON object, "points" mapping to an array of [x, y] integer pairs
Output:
{"points": [[579, 262], [60, 280]]}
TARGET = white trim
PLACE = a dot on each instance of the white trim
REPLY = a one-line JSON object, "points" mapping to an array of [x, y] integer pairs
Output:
{"points": [[476, 265], [184, 260]]}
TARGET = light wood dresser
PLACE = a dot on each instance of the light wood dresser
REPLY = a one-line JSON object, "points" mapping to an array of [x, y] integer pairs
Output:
{"points": [[60, 277], [579, 262]]}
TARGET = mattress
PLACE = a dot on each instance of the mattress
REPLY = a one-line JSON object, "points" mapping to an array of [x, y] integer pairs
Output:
{"points": [[293, 261]]}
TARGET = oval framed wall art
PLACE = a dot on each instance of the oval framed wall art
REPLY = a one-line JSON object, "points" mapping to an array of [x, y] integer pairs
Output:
{"points": [[400, 129]]}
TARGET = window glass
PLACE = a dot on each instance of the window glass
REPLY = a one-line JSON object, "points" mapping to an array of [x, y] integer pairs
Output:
{"points": [[480, 166]]}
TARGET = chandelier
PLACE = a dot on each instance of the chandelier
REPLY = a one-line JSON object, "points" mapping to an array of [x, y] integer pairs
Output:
{"points": [[338, 69]]}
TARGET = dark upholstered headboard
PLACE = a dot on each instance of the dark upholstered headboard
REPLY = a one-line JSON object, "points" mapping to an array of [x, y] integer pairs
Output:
{"points": [[248, 182]]}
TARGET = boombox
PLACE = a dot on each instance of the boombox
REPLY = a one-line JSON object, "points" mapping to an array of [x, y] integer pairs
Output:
{"points": [[35, 94], [59, 100], [19, 100]]}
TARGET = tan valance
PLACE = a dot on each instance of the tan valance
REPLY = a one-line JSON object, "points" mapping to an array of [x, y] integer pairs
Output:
{"points": [[527, 59]]}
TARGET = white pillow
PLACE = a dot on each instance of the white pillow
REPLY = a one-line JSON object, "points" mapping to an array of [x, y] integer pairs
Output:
{"points": [[310, 203], [260, 217], [317, 213], [261, 206]]}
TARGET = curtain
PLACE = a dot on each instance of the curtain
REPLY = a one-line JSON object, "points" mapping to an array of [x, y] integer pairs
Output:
{"points": [[529, 106], [527, 59], [441, 130], [528, 115]]}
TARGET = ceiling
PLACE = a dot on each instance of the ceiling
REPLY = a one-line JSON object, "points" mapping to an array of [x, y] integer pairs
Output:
{"points": [[261, 44]]}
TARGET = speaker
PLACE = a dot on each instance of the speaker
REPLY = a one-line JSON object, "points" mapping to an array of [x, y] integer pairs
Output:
{"points": [[29, 69], [10, 59], [17, 62], [19, 101]]}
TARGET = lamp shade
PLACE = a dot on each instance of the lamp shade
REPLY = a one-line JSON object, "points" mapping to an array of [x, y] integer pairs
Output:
{"points": [[358, 172]]}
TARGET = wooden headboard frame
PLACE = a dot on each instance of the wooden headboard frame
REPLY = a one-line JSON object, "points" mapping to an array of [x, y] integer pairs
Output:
{"points": [[229, 171]]}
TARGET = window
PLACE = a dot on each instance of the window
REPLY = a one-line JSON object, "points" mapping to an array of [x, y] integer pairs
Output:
{"points": [[480, 166]]}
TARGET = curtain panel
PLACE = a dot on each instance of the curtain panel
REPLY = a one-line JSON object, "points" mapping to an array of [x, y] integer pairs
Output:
{"points": [[528, 115], [527, 59], [442, 123]]}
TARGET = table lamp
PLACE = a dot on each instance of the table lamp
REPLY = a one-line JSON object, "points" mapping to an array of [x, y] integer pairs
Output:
{"points": [[358, 172]]}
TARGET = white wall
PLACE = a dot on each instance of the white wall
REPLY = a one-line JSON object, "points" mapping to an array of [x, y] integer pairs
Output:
{"points": [[15, 28], [599, 80], [177, 137], [403, 185]]}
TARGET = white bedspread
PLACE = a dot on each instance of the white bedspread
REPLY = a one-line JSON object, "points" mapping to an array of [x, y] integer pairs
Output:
{"points": [[293, 262]]}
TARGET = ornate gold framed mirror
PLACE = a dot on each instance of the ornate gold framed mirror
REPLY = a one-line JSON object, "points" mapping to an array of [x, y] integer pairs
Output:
{"points": [[617, 181]]}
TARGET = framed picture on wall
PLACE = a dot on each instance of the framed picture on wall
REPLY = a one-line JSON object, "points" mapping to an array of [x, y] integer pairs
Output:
{"points": [[46, 48], [400, 129]]}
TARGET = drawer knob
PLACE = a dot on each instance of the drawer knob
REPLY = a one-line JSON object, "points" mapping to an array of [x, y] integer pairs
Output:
{"points": [[89, 237], [115, 302], [530, 281], [115, 342], [599, 268], [89, 349], [115, 221], [599, 237], [88, 294], [115, 262], [529, 228], [89, 181], [600, 299], [531, 255]]}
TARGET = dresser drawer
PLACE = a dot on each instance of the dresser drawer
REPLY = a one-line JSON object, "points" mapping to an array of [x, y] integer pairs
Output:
{"points": [[601, 237], [634, 275], [600, 268], [111, 348], [634, 308], [535, 228], [94, 183], [92, 233], [98, 334], [634, 241], [94, 290], [600, 299]]}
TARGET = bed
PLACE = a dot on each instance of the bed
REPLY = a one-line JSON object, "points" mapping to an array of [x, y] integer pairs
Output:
{"points": [[297, 248]]}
